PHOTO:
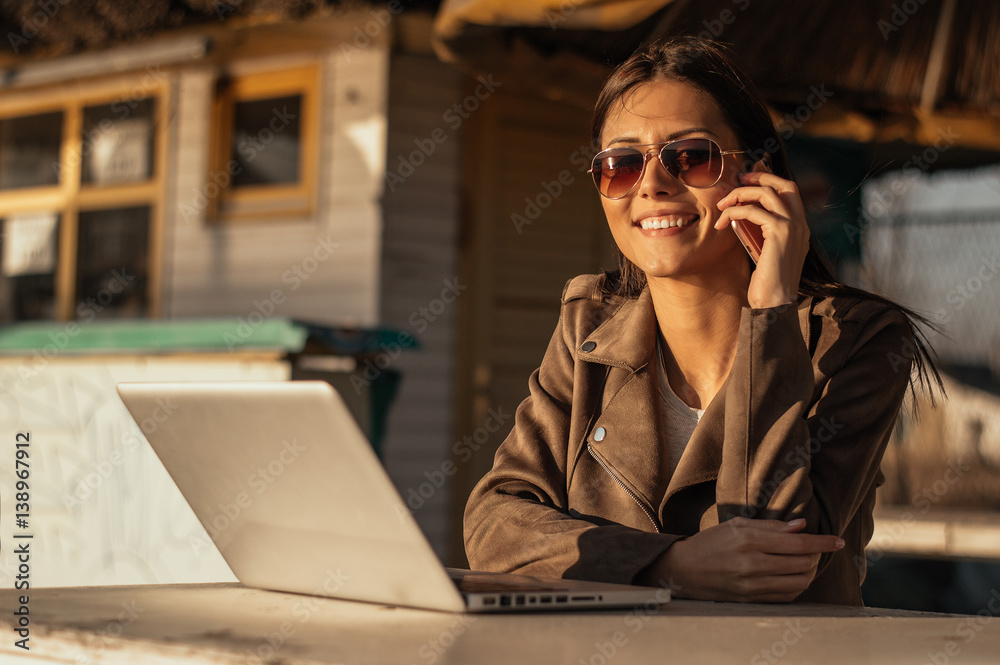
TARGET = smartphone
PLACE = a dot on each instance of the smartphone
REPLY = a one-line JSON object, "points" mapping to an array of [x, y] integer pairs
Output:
{"points": [[748, 232], [751, 237]]}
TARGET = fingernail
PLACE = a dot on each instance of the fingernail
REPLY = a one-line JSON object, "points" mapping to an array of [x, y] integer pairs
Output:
{"points": [[839, 544], [797, 521]]}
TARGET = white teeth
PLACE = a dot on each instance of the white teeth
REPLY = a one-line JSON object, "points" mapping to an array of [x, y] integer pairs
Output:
{"points": [[664, 222]]}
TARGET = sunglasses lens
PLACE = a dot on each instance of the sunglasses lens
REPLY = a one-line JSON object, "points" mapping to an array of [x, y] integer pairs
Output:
{"points": [[695, 162], [616, 171]]}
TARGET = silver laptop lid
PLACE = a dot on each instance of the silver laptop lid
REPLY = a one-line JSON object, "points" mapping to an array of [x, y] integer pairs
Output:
{"points": [[290, 491]]}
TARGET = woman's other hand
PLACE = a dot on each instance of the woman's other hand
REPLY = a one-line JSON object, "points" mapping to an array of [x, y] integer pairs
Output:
{"points": [[745, 560], [773, 204]]}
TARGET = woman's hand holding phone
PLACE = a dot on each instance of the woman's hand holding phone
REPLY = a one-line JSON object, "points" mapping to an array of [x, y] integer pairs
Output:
{"points": [[770, 208]]}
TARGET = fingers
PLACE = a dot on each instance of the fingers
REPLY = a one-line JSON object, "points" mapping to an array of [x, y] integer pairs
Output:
{"points": [[766, 197], [787, 190], [748, 560], [776, 578], [776, 537], [768, 179], [777, 195], [770, 525], [751, 213]]}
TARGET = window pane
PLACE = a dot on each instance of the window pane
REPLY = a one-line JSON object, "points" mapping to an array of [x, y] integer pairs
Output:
{"points": [[28, 247], [29, 150], [112, 263], [266, 135], [118, 142]]}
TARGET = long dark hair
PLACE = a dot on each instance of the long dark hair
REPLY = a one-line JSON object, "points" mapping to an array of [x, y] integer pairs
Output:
{"points": [[709, 67]]}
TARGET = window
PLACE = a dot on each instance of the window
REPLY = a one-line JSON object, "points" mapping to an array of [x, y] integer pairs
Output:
{"points": [[80, 202], [29, 146], [264, 155]]}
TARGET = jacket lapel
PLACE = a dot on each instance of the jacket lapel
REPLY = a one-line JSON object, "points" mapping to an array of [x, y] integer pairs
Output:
{"points": [[632, 444], [629, 440]]}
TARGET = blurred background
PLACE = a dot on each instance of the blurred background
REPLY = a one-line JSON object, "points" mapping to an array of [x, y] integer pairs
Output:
{"points": [[390, 196]]}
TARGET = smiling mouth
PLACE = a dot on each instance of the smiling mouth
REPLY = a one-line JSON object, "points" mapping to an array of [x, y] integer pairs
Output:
{"points": [[666, 222]]}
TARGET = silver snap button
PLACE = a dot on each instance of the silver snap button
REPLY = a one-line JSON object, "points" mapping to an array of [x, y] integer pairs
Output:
{"points": [[588, 346], [599, 434]]}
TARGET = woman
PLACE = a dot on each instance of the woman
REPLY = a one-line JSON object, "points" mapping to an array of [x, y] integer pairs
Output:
{"points": [[699, 421]]}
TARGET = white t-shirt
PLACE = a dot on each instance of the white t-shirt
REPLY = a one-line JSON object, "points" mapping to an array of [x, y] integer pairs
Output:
{"points": [[679, 419]]}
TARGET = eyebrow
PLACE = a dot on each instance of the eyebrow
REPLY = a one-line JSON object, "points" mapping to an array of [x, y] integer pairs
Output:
{"points": [[671, 137]]}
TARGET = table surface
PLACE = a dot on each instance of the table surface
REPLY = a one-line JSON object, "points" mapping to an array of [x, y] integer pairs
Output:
{"points": [[231, 623]]}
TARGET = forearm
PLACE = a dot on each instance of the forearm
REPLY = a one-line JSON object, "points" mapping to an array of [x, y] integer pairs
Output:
{"points": [[797, 449], [506, 531]]}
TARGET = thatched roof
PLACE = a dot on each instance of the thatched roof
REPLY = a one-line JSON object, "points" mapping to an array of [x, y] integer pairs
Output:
{"points": [[890, 64], [59, 27], [871, 51]]}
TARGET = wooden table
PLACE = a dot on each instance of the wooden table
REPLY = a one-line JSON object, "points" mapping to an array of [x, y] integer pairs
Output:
{"points": [[230, 623]]}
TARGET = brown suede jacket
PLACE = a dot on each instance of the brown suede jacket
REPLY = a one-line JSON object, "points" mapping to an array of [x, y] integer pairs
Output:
{"points": [[580, 487]]}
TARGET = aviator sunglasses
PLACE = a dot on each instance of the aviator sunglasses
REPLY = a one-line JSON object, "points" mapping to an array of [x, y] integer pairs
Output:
{"points": [[695, 162]]}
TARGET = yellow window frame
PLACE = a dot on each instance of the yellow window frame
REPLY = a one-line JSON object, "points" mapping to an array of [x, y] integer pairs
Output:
{"points": [[265, 201], [71, 197]]}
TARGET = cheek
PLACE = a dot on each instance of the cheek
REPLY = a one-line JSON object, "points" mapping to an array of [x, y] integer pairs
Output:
{"points": [[617, 211], [710, 198], [618, 218]]}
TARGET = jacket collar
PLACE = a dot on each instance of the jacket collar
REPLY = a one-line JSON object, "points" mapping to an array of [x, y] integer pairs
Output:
{"points": [[625, 339]]}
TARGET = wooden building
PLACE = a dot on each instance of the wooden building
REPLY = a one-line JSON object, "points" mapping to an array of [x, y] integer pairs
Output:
{"points": [[320, 162]]}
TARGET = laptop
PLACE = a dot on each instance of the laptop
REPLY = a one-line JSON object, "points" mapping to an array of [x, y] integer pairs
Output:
{"points": [[294, 497]]}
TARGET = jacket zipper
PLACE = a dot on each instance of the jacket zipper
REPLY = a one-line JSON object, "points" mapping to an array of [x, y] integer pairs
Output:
{"points": [[649, 513]]}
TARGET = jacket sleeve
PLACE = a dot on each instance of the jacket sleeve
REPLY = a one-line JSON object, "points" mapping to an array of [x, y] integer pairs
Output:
{"points": [[518, 520], [796, 446]]}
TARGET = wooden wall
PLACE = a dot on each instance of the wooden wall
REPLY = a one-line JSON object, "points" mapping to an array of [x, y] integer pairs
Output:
{"points": [[223, 268], [420, 292], [534, 222]]}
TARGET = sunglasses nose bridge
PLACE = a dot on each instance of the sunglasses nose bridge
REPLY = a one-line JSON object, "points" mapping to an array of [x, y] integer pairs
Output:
{"points": [[656, 153]]}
